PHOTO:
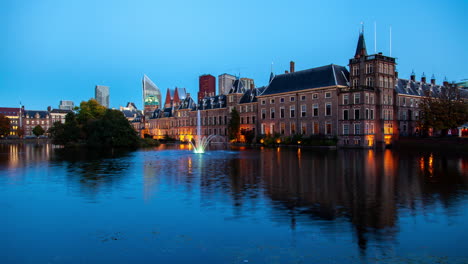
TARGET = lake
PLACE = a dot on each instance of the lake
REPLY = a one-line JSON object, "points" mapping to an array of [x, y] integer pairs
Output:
{"points": [[232, 205]]}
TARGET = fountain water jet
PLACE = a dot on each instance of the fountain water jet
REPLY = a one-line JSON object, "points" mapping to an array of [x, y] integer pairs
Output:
{"points": [[200, 143]]}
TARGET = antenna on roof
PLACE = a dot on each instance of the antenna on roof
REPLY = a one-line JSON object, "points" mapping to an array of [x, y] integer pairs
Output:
{"points": [[390, 41], [375, 37], [362, 25]]}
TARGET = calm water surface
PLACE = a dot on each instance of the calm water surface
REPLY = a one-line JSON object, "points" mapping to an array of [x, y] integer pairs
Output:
{"points": [[288, 205]]}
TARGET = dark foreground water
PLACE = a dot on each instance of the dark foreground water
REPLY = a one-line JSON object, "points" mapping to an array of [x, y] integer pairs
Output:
{"points": [[168, 205]]}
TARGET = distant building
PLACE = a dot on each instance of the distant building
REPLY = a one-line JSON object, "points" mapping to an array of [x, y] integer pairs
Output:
{"points": [[33, 118], [248, 83], [14, 115], [102, 95], [130, 111], [225, 82], [66, 105], [58, 115], [207, 86], [151, 96]]}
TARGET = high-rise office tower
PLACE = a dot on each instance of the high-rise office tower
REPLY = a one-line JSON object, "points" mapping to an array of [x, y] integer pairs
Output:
{"points": [[101, 94], [207, 86], [225, 82]]}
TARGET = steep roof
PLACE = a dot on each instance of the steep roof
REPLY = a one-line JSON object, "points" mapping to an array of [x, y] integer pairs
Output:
{"points": [[408, 87], [361, 46], [32, 113], [237, 87], [250, 95], [214, 102], [324, 76], [187, 103]]}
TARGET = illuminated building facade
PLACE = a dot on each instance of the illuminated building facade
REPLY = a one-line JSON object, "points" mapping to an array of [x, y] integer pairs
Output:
{"points": [[365, 107], [14, 114]]}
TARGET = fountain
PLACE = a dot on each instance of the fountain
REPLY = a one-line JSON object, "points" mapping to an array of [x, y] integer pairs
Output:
{"points": [[200, 143]]}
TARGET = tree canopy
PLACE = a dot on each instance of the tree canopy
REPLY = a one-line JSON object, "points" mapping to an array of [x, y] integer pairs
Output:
{"points": [[234, 125], [444, 111], [94, 125], [4, 125], [38, 131]]}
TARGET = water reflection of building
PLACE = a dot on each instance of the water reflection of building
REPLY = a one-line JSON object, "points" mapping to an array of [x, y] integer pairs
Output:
{"points": [[20, 155]]}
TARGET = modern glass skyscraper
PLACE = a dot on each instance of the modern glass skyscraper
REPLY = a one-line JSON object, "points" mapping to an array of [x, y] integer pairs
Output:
{"points": [[151, 96], [101, 93]]}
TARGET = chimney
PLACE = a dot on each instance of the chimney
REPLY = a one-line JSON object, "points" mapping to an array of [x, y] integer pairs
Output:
{"points": [[291, 66], [433, 79], [49, 109], [286, 72], [396, 74], [423, 78], [413, 77]]}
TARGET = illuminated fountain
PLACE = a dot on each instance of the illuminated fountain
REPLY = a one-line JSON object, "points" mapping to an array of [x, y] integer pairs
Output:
{"points": [[200, 143]]}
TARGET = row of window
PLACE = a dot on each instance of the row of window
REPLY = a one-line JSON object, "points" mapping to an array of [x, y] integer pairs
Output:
{"points": [[292, 111], [291, 128], [369, 114], [368, 129], [383, 68], [41, 122], [247, 119], [369, 98], [293, 98], [411, 101], [384, 82]]}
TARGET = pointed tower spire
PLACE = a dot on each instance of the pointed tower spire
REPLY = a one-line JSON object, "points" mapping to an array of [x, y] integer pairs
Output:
{"points": [[361, 46], [271, 74]]}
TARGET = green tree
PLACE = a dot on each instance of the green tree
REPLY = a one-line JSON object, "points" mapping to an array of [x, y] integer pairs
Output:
{"points": [[4, 126], [38, 131], [96, 126], [113, 129], [90, 110], [234, 125], [443, 111]]}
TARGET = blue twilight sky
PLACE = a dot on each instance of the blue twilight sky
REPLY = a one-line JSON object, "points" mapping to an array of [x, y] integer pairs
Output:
{"points": [[53, 49]]}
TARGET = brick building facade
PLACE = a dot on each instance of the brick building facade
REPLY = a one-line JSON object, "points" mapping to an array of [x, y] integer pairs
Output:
{"points": [[367, 106]]}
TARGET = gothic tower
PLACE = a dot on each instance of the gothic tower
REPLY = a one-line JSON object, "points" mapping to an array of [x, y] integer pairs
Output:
{"points": [[371, 98]]}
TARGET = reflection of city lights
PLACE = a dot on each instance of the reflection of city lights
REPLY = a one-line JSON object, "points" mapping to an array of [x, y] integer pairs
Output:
{"points": [[370, 157], [389, 164], [189, 162], [421, 163], [430, 165], [278, 141], [277, 149], [14, 155]]}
